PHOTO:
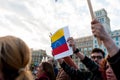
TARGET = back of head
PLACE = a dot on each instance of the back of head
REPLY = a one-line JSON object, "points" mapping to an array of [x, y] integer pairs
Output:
{"points": [[98, 50], [14, 58], [48, 68]]}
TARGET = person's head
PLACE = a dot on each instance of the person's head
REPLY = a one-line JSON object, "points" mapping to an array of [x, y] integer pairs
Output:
{"points": [[97, 55], [109, 72], [47, 68], [15, 57]]}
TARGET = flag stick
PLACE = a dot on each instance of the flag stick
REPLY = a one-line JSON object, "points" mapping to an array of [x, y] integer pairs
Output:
{"points": [[93, 17]]}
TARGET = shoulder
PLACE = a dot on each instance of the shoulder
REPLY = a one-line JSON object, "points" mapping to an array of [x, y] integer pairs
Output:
{"points": [[62, 75]]}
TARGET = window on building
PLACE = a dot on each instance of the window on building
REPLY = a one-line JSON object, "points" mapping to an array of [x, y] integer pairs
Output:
{"points": [[87, 43], [117, 43], [95, 46], [102, 20], [85, 49], [81, 49], [90, 49], [95, 41], [117, 33], [116, 38], [98, 13]]}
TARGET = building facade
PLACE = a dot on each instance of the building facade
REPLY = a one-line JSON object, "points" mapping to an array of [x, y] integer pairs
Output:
{"points": [[102, 17], [116, 37], [38, 55]]}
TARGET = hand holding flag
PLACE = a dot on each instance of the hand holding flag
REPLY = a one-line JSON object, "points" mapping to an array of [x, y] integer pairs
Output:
{"points": [[60, 47]]}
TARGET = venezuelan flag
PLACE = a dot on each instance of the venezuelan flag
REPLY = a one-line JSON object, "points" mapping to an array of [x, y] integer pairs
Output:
{"points": [[59, 43], [60, 47]]}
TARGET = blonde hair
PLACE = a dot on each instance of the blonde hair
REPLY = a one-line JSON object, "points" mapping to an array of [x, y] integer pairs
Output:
{"points": [[14, 56]]}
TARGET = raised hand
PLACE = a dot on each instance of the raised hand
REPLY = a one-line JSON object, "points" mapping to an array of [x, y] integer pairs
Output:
{"points": [[71, 42], [98, 30]]}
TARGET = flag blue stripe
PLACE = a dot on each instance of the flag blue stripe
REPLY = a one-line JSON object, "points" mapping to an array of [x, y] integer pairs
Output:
{"points": [[59, 42]]}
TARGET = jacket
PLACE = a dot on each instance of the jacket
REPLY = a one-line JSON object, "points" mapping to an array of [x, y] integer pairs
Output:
{"points": [[93, 74]]}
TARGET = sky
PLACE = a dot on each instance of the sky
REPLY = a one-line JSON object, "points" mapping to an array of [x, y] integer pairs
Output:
{"points": [[34, 20]]}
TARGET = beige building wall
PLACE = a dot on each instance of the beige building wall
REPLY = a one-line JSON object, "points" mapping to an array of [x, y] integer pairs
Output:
{"points": [[37, 55]]}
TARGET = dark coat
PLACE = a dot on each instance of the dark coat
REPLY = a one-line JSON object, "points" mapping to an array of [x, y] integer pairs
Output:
{"points": [[93, 74]]}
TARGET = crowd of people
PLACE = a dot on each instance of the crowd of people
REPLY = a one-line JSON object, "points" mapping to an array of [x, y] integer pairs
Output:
{"points": [[15, 58]]}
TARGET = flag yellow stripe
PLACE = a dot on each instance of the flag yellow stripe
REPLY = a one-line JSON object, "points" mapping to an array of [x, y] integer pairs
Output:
{"points": [[57, 35]]}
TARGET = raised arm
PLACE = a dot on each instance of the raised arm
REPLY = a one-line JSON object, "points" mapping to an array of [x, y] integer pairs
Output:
{"points": [[74, 73], [91, 65], [113, 50], [99, 31]]}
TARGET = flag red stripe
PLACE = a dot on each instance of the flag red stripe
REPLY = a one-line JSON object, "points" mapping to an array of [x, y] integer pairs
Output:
{"points": [[60, 49]]}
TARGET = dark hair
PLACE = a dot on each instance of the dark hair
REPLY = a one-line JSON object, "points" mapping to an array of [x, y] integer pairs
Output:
{"points": [[48, 68], [98, 50]]}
